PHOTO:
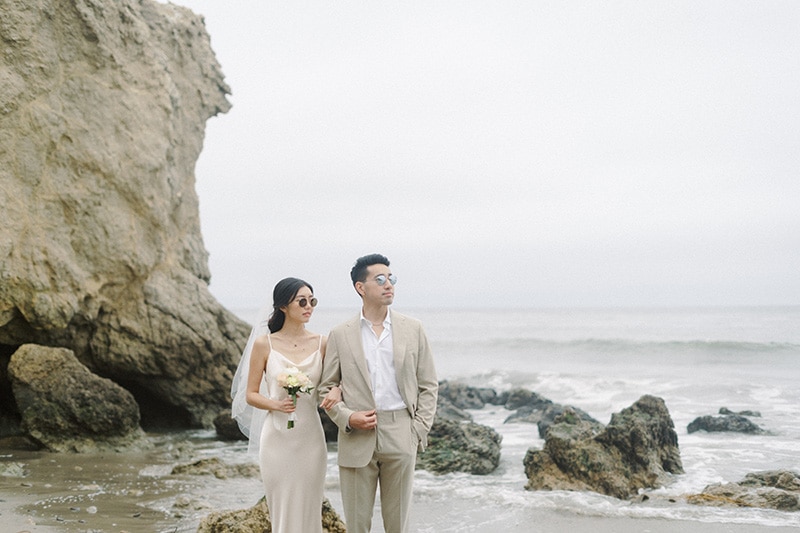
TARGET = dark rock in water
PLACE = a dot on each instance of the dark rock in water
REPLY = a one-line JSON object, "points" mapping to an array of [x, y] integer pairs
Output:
{"points": [[726, 411], [227, 428], [256, 520], [775, 489], [215, 467], [734, 423], [103, 107], [543, 414], [67, 408], [446, 410], [462, 396], [518, 398], [460, 447], [638, 449]]}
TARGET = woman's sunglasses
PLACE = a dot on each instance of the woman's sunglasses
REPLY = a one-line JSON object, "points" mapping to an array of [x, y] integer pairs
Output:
{"points": [[305, 301]]}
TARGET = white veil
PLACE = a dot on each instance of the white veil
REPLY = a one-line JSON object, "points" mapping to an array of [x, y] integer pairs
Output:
{"points": [[249, 418]]}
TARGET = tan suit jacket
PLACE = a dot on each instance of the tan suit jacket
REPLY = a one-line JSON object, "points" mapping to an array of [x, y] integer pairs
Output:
{"points": [[346, 365]]}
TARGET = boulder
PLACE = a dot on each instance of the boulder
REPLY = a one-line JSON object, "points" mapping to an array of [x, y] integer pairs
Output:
{"points": [[733, 423], [544, 412], [446, 410], [638, 449], [65, 407], [461, 396], [774, 489], [103, 105], [726, 411], [213, 466], [518, 398], [256, 520], [227, 428], [455, 446]]}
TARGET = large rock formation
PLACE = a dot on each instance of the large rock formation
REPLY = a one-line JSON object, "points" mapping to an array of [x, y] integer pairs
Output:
{"points": [[103, 105], [638, 449]]}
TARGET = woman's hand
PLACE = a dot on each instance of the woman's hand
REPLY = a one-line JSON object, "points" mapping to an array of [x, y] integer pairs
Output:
{"points": [[284, 406], [333, 397]]}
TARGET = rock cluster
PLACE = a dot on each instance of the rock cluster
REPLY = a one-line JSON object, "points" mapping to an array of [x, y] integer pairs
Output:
{"points": [[103, 105], [457, 444], [638, 449]]}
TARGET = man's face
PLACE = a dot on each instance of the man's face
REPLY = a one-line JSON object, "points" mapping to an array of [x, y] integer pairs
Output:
{"points": [[372, 291]]}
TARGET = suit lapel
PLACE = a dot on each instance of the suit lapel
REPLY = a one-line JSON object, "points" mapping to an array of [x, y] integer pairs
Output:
{"points": [[399, 347], [357, 349]]}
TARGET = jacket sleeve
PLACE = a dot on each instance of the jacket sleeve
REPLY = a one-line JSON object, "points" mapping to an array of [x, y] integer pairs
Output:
{"points": [[427, 391]]}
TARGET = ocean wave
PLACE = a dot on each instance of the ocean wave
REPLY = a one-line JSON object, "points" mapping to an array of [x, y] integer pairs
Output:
{"points": [[619, 345]]}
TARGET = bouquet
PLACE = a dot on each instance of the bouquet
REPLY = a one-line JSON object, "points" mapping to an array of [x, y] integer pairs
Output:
{"points": [[295, 382]]}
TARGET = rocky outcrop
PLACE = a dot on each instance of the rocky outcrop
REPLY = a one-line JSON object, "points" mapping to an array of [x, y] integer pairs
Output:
{"points": [[455, 446], [65, 407], [746, 412], [227, 428], [532, 408], [466, 397], [213, 466], [455, 442], [256, 520], [638, 449], [733, 423], [103, 105], [775, 489]]}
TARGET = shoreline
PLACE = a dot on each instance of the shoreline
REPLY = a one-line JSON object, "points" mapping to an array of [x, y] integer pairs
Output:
{"points": [[427, 517]]}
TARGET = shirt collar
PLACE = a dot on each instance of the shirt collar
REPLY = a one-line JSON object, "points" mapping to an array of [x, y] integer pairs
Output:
{"points": [[386, 321]]}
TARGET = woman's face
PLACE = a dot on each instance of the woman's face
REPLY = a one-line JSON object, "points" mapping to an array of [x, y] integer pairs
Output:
{"points": [[297, 313]]}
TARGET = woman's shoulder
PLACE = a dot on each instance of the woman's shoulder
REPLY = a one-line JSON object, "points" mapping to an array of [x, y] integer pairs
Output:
{"points": [[262, 343]]}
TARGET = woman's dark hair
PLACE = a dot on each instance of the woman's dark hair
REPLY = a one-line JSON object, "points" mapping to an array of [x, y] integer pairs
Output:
{"points": [[359, 270], [282, 295]]}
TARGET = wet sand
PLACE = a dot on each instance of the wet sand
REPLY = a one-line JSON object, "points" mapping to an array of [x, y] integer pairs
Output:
{"points": [[136, 492]]}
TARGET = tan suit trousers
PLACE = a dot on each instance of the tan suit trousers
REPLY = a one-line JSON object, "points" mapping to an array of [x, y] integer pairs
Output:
{"points": [[392, 467]]}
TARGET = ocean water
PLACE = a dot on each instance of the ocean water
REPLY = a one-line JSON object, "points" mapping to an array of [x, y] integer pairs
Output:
{"points": [[602, 360]]}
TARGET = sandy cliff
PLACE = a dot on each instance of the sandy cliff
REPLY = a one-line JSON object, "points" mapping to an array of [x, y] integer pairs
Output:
{"points": [[103, 105]]}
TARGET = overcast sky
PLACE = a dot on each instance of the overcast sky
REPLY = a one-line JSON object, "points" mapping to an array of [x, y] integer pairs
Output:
{"points": [[507, 153]]}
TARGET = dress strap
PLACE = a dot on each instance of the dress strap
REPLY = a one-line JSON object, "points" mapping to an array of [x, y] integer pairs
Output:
{"points": [[320, 343], [269, 338]]}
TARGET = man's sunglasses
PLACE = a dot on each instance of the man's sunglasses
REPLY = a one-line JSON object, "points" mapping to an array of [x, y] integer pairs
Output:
{"points": [[305, 301], [381, 279]]}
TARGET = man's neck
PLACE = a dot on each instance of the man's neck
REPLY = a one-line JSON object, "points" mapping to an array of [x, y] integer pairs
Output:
{"points": [[375, 314]]}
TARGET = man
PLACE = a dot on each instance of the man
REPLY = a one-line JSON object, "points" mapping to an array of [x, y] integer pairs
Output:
{"points": [[384, 366]]}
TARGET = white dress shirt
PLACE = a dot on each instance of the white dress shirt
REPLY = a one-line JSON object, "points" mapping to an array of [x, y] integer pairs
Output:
{"points": [[380, 362]]}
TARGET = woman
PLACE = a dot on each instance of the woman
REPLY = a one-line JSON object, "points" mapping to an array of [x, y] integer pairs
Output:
{"points": [[292, 460]]}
